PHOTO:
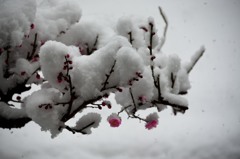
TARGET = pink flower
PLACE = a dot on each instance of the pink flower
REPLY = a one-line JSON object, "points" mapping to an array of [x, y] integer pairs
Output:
{"points": [[152, 121], [114, 120], [151, 124]]}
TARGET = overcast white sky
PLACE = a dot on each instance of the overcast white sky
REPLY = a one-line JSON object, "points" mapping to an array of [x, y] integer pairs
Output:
{"points": [[209, 129]]}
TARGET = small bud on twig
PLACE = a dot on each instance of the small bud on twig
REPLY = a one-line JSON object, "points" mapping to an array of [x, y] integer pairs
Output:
{"points": [[32, 26]]}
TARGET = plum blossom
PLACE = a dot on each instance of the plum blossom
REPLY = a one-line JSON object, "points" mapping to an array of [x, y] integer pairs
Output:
{"points": [[152, 121], [151, 124], [114, 120]]}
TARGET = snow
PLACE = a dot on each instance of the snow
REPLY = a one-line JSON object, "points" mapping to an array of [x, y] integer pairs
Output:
{"points": [[40, 108], [130, 26], [209, 129], [92, 119], [175, 99], [10, 112], [151, 27], [23, 65], [194, 58], [173, 64], [128, 62], [143, 87], [183, 80], [56, 16], [20, 26], [52, 57], [84, 35], [99, 64]]}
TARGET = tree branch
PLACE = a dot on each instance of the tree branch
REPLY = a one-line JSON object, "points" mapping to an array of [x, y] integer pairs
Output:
{"points": [[195, 59], [74, 130], [177, 106], [108, 76], [71, 92], [13, 123], [165, 21], [164, 17], [34, 48], [130, 37]]}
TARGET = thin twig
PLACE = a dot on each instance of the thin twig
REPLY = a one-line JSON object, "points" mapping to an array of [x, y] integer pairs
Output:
{"points": [[164, 19], [7, 73], [124, 109], [172, 79], [196, 60], [90, 51], [89, 106], [72, 93], [136, 117], [165, 28], [177, 106], [88, 125], [130, 37], [159, 88], [34, 48], [16, 101], [151, 39], [81, 107], [150, 47], [74, 130], [134, 104], [108, 76]]}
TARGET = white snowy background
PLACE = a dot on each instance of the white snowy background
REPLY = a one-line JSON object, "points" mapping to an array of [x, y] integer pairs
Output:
{"points": [[209, 129]]}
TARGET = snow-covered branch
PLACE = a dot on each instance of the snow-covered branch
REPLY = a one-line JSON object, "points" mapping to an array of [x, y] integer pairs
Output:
{"points": [[79, 63]]}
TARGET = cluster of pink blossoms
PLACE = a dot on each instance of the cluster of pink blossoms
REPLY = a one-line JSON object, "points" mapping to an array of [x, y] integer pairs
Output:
{"points": [[152, 121]]}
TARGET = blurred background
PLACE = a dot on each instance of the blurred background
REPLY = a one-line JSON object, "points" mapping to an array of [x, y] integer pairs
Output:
{"points": [[209, 129]]}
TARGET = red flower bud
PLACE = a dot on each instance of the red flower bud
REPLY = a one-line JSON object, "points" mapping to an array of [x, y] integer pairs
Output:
{"points": [[130, 82], [18, 98], [144, 28], [42, 43], [67, 56], [59, 80], [23, 73], [153, 57], [65, 67], [38, 76], [109, 106], [119, 89], [151, 24], [105, 95], [135, 79], [103, 103], [32, 26]]}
